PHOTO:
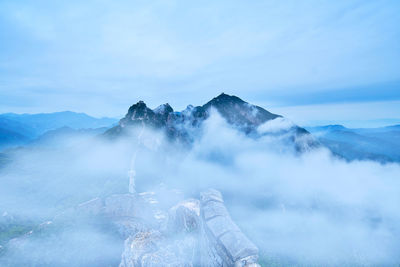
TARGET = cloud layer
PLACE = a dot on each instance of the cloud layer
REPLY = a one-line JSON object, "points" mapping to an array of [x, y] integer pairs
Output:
{"points": [[299, 209]]}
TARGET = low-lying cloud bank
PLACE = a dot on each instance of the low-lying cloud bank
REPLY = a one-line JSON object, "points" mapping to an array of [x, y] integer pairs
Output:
{"points": [[309, 208]]}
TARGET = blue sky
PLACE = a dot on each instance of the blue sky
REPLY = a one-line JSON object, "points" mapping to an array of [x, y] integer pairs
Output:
{"points": [[312, 61]]}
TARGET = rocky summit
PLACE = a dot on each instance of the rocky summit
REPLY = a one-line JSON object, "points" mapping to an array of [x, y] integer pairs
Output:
{"points": [[184, 126]]}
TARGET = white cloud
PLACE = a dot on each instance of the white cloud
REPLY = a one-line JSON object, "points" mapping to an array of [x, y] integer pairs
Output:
{"points": [[310, 208], [274, 126]]}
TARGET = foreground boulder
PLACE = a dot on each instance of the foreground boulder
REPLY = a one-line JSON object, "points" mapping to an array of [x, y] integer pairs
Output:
{"points": [[197, 233]]}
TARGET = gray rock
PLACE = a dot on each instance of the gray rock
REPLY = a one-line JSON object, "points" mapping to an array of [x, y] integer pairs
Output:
{"points": [[179, 252], [184, 217], [152, 249], [139, 245], [129, 227], [196, 233], [162, 258]]}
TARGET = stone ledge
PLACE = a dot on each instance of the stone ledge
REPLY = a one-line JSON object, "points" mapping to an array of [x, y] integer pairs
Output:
{"points": [[238, 245], [222, 230], [220, 225], [212, 209]]}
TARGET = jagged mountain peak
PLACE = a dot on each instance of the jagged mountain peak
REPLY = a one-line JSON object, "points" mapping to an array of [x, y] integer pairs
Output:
{"points": [[238, 112], [138, 113], [140, 105], [225, 99], [164, 108]]}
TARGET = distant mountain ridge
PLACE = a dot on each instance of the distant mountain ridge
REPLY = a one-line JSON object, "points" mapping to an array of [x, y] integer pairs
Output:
{"points": [[380, 144], [43, 122], [19, 129], [183, 125]]}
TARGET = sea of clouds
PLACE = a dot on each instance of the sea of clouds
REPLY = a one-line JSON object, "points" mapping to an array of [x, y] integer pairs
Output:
{"points": [[307, 208]]}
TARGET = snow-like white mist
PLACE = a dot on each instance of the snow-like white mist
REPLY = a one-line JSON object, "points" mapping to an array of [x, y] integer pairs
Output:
{"points": [[303, 209]]}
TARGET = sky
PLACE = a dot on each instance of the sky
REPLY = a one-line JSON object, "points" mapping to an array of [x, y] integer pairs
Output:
{"points": [[314, 62]]}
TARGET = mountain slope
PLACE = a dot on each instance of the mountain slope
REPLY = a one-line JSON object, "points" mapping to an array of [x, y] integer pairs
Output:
{"points": [[13, 133]]}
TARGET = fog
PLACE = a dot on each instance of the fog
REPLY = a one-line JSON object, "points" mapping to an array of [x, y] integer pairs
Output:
{"points": [[299, 209]]}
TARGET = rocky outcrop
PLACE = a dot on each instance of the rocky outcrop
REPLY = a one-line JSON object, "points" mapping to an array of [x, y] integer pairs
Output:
{"points": [[184, 217], [174, 243], [197, 233]]}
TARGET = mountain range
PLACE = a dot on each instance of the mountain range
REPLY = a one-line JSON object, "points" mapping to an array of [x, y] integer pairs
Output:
{"points": [[378, 144], [20, 129], [184, 126]]}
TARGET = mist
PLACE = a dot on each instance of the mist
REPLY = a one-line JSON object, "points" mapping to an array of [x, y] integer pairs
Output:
{"points": [[308, 208]]}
